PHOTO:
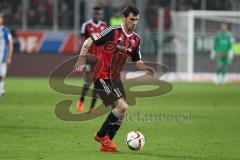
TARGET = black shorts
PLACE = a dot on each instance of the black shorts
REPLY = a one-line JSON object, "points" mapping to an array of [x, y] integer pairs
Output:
{"points": [[109, 90]]}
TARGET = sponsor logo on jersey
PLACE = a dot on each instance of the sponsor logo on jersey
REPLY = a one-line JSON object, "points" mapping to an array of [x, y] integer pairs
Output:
{"points": [[96, 36]]}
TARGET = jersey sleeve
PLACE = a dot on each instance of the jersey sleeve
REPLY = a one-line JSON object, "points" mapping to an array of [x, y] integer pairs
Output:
{"points": [[137, 54], [83, 31], [103, 37], [8, 36]]}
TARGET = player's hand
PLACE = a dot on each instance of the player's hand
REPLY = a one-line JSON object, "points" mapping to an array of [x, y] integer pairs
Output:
{"points": [[78, 68], [82, 68], [149, 70]]}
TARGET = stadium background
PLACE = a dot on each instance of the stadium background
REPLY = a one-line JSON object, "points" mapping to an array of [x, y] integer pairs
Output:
{"points": [[50, 29], [47, 35]]}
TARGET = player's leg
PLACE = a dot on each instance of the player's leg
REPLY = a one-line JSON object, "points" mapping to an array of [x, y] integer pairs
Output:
{"points": [[111, 125], [219, 68], [3, 72], [94, 93], [94, 100], [110, 128], [1, 85], [4, 75], [88, 80], [223, 69], [114, 129], [87, 83], [115, 117]]}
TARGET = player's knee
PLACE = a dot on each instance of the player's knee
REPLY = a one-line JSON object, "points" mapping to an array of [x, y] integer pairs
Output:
{"points": [[122, 106], [122, 116]]}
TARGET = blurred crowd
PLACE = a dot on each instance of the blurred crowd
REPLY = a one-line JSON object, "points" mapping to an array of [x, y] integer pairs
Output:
{"points": [[41, 12], [12, 11]]}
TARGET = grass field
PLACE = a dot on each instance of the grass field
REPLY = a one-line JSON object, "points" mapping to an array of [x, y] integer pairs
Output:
{"points": [[29, 128]]}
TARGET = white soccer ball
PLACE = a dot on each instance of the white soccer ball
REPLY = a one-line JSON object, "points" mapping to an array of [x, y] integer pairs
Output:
{"points": [[135, 140]]}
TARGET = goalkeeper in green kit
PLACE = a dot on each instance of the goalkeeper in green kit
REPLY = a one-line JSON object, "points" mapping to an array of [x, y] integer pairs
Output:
{"points": [[222, 52]]}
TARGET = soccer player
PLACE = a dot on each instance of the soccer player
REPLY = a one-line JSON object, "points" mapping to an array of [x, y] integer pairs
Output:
{"points": [[120, 42], [94, 25], [222, 52], [6, 49]]}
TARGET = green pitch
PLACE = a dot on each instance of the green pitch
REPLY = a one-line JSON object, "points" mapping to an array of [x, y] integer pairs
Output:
{"points": [[194, 121]]}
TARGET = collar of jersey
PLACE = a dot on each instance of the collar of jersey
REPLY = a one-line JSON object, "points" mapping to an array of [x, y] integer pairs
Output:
{"points": [[96, 25], [128, 35]]}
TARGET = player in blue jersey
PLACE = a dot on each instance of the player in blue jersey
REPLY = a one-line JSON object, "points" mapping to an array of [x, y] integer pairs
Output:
{"points": [[6, 49]]}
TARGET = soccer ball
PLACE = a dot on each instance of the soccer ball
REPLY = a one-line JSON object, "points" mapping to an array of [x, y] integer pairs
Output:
{"points": [[135, 140]]}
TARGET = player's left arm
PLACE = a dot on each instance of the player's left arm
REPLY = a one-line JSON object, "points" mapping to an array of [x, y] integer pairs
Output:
{"points": [[136, 58], [142, 66]]}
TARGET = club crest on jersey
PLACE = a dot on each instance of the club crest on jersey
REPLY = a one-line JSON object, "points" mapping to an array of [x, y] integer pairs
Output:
{"points": [[132, 42], [96, 36], [102, 28]]}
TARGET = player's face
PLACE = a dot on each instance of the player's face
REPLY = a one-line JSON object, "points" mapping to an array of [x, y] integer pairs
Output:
{"points": [[224, 27], [131, 21], [97, 15]]}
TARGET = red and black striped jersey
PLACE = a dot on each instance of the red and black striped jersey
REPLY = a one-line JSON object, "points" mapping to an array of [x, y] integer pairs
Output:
{"points": [[116, 47], [88, 28]]}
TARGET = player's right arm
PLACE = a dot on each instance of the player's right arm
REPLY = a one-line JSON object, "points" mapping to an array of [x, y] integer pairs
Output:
{"points": [[98, 39], [79, 66]]}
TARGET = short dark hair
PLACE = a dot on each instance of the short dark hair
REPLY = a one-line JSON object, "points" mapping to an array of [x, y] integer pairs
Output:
{"points": [[130, 9], [96, 8]]}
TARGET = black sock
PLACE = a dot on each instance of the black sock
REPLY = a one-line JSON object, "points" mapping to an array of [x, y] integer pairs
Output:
{"points": [[109, 123], [84, 91], [112, 132], [93, 103], [94, 99], [82, 99]]}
